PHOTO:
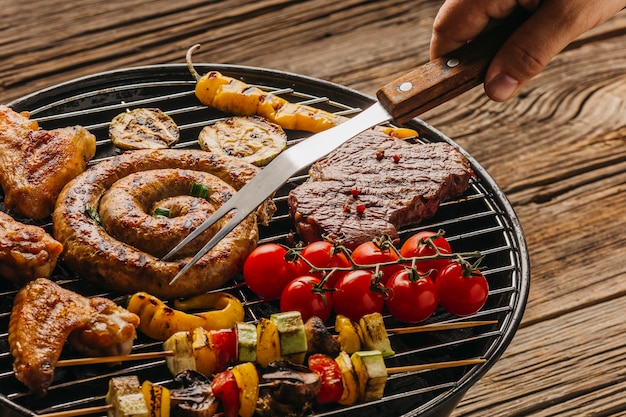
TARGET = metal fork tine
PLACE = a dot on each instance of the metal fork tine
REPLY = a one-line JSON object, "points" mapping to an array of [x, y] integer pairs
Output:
{"points": [[275, 174], [226, 229], [214, 218]]}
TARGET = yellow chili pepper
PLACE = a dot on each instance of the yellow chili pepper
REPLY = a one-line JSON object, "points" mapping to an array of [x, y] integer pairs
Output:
{"points": [[234, 96], [159, 321]]}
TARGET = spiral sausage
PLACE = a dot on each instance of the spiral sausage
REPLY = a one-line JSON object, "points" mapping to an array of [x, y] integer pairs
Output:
{"points": [[123, 251]]}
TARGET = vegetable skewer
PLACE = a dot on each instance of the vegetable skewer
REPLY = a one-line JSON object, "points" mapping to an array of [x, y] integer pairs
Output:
{"points": [[111, 406], [166, 353]]}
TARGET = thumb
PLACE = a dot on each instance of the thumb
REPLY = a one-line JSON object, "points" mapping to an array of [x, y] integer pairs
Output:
{"points": [[527, 52]]}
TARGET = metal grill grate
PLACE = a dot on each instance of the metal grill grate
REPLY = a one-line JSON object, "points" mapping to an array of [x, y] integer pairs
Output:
{"points": [[481, 220]]}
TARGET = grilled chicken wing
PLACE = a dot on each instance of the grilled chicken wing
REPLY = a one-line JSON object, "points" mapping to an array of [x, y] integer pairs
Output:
{"points": [[45, 315], [36, 164], [26, 251]]}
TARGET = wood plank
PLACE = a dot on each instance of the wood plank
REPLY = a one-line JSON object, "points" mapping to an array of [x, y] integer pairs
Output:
{"points": [[537, 373]]}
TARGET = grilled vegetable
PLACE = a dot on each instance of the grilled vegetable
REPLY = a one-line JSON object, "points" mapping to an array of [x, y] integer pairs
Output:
{"points": [[181, 343], [159, 321], [371, 372], [224, 342], [287, 389], [225, 388], [253, 139], [194, 397], [319, 339], [204, 355], [157, 398], [143, 128], [331, 386], [236, 97], [350, 394], [126, 397], [246, 342], [374, 334], [248, 382], [220, 309], [268, 342], [348, 334], [293, 343]]}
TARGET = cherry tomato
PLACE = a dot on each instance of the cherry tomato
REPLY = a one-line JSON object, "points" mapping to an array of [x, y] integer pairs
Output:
{"points": [[462, 289], [357, 295], [418, 245], [304, 295], [224, 386], [323, 254], [330, 377], [267, 271], [411, 300], [369, 253]]}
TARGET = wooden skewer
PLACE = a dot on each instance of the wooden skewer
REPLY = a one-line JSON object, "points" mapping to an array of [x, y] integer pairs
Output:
{"points": [[162, 354], [116, 358], [436, 365], [79, 412], [394, 370], [441, 326]]}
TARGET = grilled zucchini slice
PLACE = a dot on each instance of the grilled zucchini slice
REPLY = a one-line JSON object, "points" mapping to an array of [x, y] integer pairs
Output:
{"points": [[143, 128], [253, 139]]}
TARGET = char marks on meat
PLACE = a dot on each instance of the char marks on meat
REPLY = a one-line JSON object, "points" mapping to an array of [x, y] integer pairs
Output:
{"points": [[375, 184], [46, 315], [26, 251], [36, 164]]}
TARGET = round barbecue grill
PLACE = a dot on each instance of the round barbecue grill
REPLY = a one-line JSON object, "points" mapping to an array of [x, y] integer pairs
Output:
{"points": [[481, 220]]}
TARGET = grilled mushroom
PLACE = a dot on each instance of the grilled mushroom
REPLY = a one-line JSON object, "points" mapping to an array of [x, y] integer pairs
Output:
{"points": [[287, 390], [194, 397], [319, 338]]}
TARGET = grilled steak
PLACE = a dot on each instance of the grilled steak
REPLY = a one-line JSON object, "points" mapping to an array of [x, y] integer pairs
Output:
{"points": [[375, 184]]}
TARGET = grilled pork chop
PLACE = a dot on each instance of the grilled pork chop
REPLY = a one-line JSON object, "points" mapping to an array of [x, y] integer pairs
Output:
{"points": [[375, 184], [35, 164]]}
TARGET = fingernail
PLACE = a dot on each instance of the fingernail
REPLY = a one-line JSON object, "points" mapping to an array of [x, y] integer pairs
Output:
{"points": [[501, 87]]}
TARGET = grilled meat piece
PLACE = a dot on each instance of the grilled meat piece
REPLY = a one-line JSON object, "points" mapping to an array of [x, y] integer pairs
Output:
{"points": [[36, 164], [26, 251], [96, 255], [45, 315], [375, 184]]}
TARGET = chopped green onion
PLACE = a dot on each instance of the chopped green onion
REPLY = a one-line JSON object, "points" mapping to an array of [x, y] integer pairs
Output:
{"points": [[199, 190], [93, 214], [161, 213]]}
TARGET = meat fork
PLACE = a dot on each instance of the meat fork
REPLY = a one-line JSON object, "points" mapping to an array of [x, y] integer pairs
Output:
{"points": [[400, 100]]}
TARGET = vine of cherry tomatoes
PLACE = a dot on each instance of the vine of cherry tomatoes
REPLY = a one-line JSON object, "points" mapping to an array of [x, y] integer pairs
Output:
{"points": [[411, 282]]}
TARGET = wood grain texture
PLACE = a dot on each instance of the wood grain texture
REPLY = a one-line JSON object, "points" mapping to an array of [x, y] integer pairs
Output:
{"points": [[558, 151]]}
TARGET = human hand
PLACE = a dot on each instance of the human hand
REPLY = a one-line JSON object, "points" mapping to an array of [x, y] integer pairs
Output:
{"points": [[550, 28]]}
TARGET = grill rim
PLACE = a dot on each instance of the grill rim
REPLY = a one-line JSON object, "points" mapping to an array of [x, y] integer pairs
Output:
{"points": [[505, 212]]}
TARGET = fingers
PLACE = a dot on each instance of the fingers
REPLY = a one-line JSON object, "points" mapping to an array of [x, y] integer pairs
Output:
{"points": [[551, 27], [547, 32], [459, 21]]}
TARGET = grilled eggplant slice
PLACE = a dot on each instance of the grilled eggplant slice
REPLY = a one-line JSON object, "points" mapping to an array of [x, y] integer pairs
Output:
{"points": [[143, 128], [253, 139]]}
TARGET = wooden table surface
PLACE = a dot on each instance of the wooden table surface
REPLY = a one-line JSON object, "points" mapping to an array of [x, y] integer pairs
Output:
{"points": [[558, 150]]}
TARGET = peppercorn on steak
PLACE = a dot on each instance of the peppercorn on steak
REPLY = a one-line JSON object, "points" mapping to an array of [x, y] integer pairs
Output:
{"points": [[375, 184], [118, 218]]}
